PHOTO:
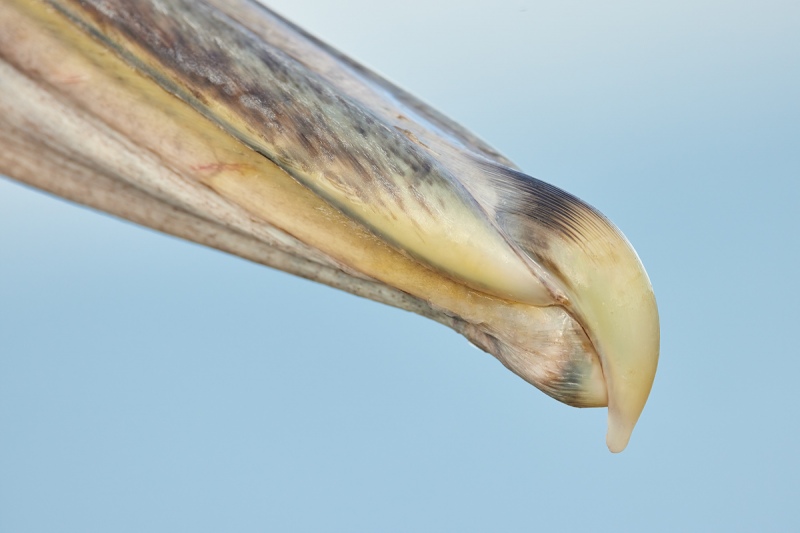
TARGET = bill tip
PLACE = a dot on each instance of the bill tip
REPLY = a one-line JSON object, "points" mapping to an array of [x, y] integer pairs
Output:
{"points": [[618, 435]]}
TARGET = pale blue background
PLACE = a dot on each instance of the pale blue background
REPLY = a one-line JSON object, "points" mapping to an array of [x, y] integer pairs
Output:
{"points": [[147, 384]]}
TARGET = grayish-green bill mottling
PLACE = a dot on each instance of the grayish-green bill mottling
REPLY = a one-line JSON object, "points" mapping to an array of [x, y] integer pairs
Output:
{"points": [[356, 143], [526, 271]]}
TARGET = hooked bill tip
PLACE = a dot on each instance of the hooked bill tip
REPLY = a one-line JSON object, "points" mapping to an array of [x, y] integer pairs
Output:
{"points": [[619, 432]]}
